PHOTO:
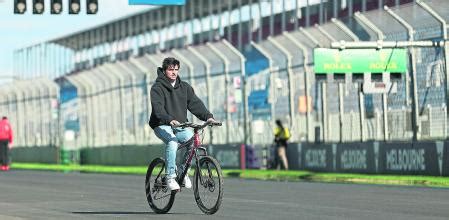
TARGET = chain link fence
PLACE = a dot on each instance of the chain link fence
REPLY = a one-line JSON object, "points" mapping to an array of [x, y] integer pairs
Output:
{"points": [[109, 105]]}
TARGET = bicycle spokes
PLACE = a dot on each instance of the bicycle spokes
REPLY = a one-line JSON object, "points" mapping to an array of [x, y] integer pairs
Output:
{"points": [[208, 188], [206, 177], [209, 184], [160, 189], [159, 197]]}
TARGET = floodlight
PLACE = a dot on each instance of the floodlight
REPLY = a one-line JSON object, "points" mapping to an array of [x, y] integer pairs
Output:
{"points": [[92, 6], [56, 6], [38, 6], [74, 6], [20, 6]]}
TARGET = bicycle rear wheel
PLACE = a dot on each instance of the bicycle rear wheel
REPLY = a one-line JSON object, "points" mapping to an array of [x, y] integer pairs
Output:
{"points": [[159, 196], [208, 185]]}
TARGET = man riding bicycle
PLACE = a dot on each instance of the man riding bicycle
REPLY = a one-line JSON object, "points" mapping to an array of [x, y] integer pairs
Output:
{"points": [[170, 99]]}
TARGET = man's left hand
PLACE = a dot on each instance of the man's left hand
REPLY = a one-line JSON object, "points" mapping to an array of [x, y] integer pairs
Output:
{"points": [[211, 120]]}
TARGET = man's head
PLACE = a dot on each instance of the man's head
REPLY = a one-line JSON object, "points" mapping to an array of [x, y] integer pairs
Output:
{"points": [[171, 66], [4, 118], [279, 122]]}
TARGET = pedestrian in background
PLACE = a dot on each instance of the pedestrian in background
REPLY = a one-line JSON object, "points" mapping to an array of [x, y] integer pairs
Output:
{"points": [[281, 136], [6, 138]]}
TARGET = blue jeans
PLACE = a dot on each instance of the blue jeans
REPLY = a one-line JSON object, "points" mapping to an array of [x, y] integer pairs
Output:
{"points": [[171, 137]]}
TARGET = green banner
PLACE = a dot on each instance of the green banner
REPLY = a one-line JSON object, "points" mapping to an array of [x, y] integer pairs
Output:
{"points": [[360, 60]]}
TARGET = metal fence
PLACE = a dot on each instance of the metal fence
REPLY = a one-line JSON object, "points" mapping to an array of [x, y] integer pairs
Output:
{"points": [[340, 112], [31, 107], [109, 105]]}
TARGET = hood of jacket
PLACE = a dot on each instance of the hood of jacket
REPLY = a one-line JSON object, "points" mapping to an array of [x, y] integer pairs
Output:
{"points": [[161, 78]]}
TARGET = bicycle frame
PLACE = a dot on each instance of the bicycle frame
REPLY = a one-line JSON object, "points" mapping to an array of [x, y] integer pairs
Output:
{"points": [[197, 145]]}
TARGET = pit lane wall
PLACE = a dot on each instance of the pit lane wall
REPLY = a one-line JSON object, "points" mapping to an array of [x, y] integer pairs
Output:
{"points": [[229, 156], [404, 158]]}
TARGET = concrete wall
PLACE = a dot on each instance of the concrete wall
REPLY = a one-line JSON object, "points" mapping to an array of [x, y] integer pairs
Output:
{"points": [[420, 158]]}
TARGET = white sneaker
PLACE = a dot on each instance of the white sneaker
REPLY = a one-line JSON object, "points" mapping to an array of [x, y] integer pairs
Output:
{"points": [[172, 184], [187, 182]]}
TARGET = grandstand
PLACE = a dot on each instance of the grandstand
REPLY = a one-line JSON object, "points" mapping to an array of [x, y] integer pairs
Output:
{"points": [[250, 61]]}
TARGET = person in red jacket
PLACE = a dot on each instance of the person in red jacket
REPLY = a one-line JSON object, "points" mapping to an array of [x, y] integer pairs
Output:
{"points": [[5, 143]]}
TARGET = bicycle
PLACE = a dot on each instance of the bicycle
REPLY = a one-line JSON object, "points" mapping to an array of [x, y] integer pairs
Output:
{"points": [[207, 177]]}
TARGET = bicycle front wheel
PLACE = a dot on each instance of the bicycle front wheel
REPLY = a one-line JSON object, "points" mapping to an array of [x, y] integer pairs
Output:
{"points": [[208, 185], [159, 196]]}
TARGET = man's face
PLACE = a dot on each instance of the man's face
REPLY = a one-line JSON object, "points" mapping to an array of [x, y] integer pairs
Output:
{"points": [[172, 73]]}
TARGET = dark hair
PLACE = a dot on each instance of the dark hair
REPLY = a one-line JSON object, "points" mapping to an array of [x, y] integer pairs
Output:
{"points": [[4, 117], [279, 123], [170, 61]]}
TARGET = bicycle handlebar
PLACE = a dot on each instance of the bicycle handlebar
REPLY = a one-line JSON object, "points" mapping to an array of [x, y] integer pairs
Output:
{"points": [[198, 126]]}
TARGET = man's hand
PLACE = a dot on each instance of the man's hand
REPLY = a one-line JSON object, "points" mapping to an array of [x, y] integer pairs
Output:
{"points": [[211, 120], [9, 145], [174, 123]]}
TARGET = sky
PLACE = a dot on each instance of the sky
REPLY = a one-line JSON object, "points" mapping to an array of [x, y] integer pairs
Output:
{"points": [[17, 31], [22, 30]]}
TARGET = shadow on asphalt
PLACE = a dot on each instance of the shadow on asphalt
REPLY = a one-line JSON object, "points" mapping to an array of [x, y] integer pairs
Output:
{"points": [[112, 213], [122, 213]]}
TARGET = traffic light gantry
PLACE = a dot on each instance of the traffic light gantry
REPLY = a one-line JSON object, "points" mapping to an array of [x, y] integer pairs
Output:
{"points": [[56, 7]]}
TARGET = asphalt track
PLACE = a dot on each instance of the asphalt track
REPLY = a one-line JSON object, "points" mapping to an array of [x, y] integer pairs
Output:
{"points": [[53, 195]]}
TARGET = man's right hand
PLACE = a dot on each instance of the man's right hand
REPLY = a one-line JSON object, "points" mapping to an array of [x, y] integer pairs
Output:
{"points": [[174, 123]]}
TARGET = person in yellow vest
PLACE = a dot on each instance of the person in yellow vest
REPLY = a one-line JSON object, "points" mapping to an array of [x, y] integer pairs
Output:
{"points": [[281, 136]]}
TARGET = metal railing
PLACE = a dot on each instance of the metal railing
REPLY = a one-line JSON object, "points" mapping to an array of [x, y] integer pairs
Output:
{"points": [[110, 104]]}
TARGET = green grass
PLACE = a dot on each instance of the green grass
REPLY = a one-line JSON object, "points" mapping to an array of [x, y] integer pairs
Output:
{"points": [[293, 175], [83, 168], [267, 174], [383, 179]]}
